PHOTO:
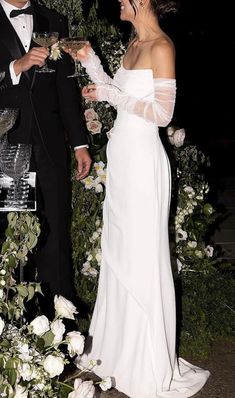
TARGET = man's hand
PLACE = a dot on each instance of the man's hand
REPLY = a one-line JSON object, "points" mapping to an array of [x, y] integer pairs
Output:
{"points": [[83, 163], [36, 56]]}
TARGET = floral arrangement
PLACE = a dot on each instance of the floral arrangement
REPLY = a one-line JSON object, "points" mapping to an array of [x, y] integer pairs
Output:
{"points": [[32, 361], [193, 214]]}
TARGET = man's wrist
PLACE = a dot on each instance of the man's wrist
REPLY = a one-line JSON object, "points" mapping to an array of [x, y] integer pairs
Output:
{"points": [[15, 77]]}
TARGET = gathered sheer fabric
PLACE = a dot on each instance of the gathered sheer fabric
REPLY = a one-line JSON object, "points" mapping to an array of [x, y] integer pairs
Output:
{"points": [[159, 110]]}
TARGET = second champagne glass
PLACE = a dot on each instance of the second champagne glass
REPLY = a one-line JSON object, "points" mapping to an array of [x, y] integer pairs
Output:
{"points": [[45, 39], [74, 44]]}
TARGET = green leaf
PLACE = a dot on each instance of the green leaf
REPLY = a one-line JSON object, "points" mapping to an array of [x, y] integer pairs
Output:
{"points": [[38, 289], [64, 390], [12, 261], [11, 375], [9, 232], [48, 338], [31, 292], [31, 240], [22, 290], [5, 247], [12, 218]]}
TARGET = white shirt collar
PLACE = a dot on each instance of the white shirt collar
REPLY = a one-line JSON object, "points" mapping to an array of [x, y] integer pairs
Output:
{"points": [[9, 7]]}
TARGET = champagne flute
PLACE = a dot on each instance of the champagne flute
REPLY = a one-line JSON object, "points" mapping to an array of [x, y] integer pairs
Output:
{"points": [[45, 39], [74, 44]]}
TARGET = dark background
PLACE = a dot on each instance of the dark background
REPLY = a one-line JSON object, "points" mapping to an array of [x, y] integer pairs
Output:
{"points": [[202, 33]]}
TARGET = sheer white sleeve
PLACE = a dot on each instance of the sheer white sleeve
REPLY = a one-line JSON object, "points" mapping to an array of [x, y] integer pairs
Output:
{"points": [[159, 110], [95, 69]]}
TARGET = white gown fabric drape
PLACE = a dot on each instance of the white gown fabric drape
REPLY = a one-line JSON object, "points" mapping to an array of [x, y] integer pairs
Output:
{"points": [[133, 326]]}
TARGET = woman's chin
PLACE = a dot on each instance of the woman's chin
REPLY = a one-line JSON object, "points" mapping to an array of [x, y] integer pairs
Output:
{"points": [[124, 17]]}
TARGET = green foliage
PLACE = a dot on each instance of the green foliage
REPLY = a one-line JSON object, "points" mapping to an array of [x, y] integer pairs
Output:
{"points": [[88, 27], [21, 237], [207, 310]]}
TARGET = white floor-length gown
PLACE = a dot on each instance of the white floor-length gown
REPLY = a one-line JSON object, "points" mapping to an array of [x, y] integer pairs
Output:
{"points": [[133, 327]]}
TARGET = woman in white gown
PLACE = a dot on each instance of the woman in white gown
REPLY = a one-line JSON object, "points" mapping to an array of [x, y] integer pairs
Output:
{"points": [[133, 326]]}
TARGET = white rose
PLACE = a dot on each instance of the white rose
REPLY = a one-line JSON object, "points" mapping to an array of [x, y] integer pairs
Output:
{"points": [[170, 133], [106, 383], [1, 293], [64, 307], [181, 235], [90, 114], [40, 325], [84, 389], [53, 365], [209, 250], [58, 329], [94, 126], [2, 325], [20, 392], [75, 343], [178, 137]]}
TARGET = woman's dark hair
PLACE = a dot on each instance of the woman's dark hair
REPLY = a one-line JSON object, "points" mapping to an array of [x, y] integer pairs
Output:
{"points": [[159, 7]]}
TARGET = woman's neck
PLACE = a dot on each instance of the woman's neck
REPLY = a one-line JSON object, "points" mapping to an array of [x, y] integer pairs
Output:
{"points": [[147, 31]]}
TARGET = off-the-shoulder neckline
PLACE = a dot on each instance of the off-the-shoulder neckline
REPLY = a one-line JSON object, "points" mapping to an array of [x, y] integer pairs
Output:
{"points": [[148, 70]]}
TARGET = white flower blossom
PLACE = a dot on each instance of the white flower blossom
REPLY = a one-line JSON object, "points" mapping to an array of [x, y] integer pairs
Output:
{"points": [[23, 349], [58, 329], [209, 250], [88, 182], [88, 270], [53, 365], [181, 235], [192, 244], [20, 392], [64, 308], [55, 52], [25, 371], [83, 389], [76, 343], [2, 325], [106, 383], [40, 325]]}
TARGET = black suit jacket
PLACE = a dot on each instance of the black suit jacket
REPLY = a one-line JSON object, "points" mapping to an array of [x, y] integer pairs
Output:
{"points": [[49, 100]]}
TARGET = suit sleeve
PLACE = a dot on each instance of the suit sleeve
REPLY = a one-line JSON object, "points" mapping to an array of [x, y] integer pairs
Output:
{"points": [[70, 98]]}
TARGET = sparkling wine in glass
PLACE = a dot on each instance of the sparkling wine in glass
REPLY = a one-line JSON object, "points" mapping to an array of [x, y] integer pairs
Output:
{"points": [[8, 118], [45, 39], [74, 44]]}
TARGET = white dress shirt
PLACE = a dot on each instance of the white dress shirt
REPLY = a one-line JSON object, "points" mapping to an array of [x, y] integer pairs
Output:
{"points": [[23, 25]]}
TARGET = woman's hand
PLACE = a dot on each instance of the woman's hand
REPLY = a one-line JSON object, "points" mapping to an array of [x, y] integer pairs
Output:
{"points": [[81, 55], [89, 92]]}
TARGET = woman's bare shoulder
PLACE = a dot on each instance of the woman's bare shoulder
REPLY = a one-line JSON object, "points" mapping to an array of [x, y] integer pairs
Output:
{"points": [[163, 57]]}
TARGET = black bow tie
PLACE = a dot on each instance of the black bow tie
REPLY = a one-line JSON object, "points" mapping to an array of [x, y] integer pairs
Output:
{"points": [[14, 13]]}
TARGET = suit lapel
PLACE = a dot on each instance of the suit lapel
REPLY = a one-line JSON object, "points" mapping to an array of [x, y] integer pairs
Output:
{"points": [[10, 38]]}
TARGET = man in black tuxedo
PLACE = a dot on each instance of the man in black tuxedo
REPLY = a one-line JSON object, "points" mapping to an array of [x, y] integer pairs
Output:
{"points": [[50, 115]]}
